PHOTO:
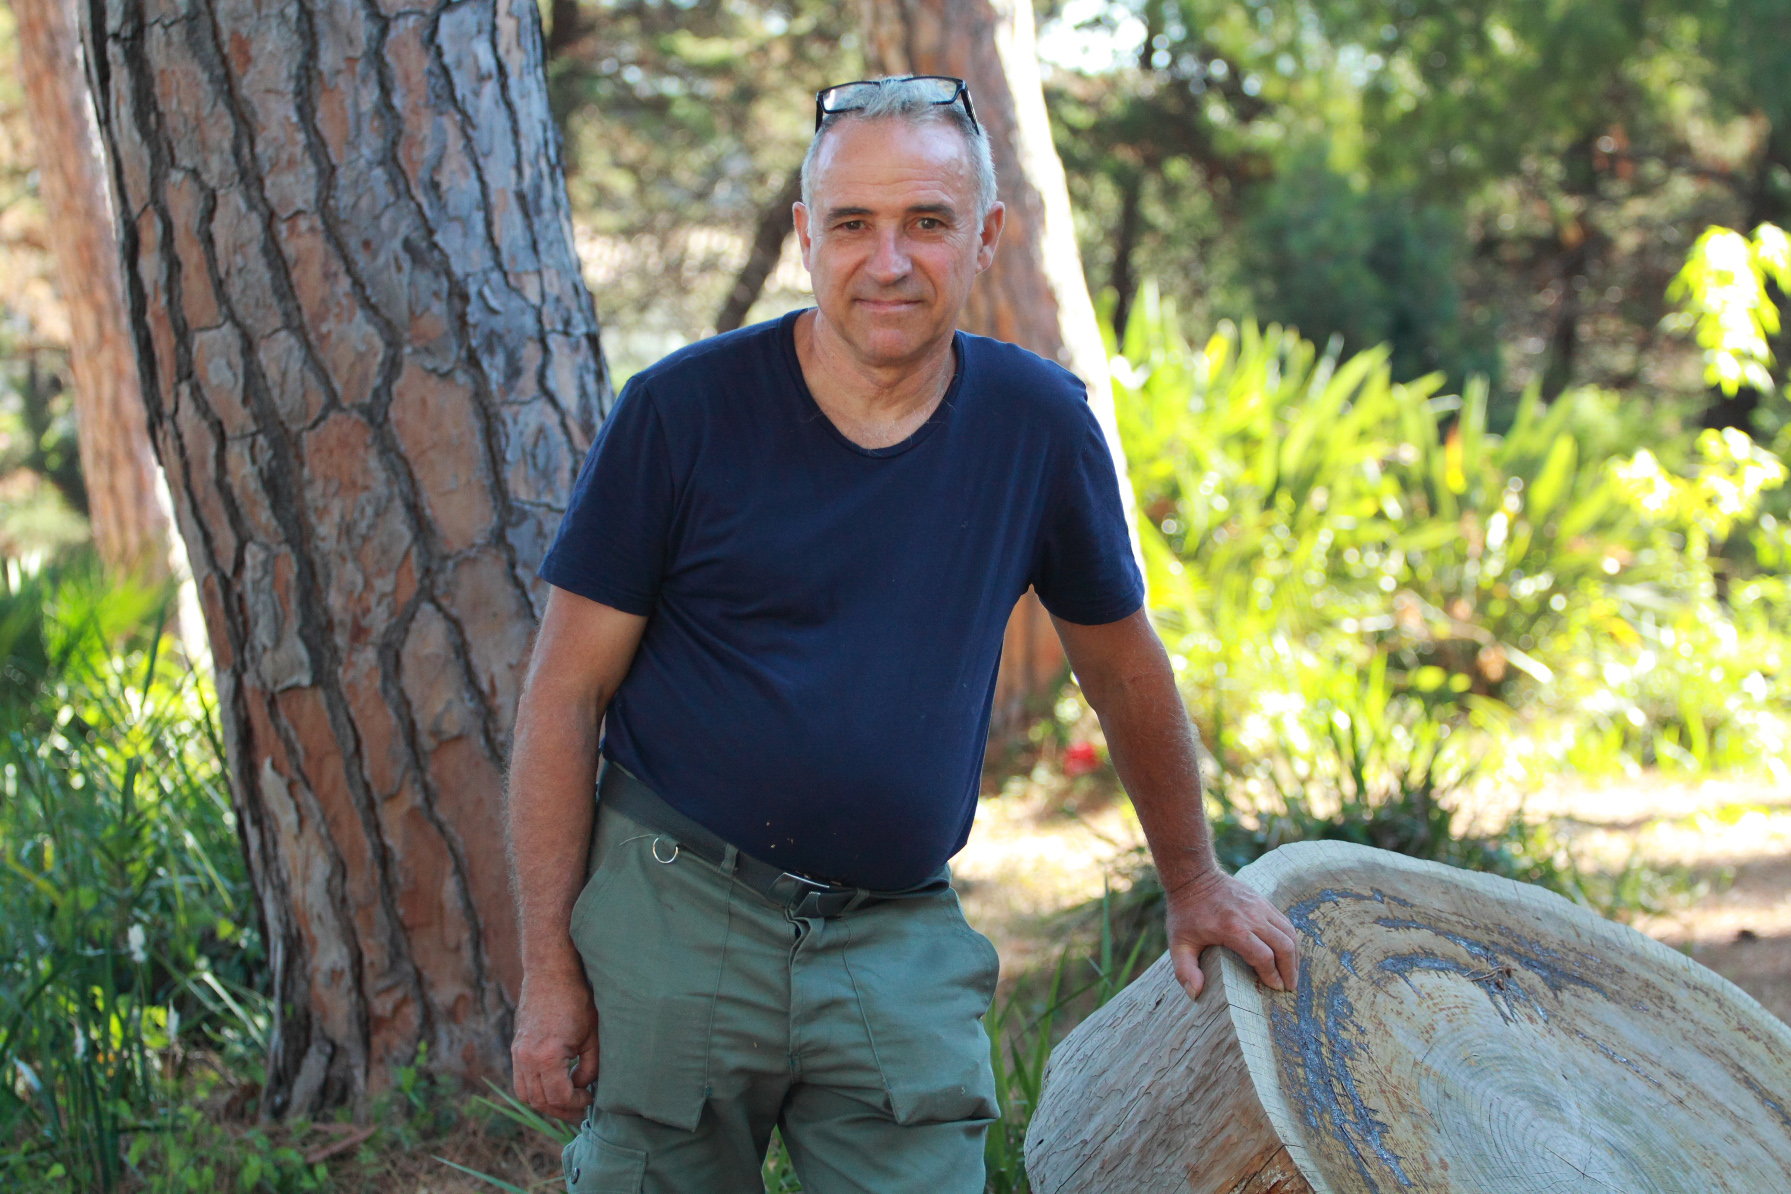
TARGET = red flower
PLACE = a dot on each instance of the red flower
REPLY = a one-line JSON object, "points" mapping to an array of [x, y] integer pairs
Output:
{"points": [[1080, 759]]}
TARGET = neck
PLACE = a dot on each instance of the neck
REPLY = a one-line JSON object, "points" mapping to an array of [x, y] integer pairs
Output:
{"points": [[874, 405]]}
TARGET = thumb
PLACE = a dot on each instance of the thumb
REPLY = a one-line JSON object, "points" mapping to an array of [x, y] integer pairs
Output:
{"points": [[1185, 957]]}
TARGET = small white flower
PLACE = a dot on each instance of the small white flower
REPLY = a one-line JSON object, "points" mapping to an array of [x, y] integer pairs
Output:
{"points": [[138, 943]]}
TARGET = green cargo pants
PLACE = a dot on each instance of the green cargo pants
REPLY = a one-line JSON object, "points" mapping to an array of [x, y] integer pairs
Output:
{"points": [[719, 1015]]}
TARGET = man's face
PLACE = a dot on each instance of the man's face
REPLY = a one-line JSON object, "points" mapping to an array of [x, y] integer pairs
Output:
{"points": [[894, 242]]}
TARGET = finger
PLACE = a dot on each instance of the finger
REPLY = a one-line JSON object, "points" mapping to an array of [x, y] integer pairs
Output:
{"points": [[1286, 959], [1259, 957], [556, 1085], [1282, 923], [528, 1087], [1185, 957]]}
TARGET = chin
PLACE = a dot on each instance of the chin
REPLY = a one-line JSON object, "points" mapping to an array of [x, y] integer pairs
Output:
{"points": [[892, 337]]}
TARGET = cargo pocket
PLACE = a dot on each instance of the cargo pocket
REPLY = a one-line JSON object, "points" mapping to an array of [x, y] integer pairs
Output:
{"points": [[653, 938], [924, 979], [595, 1166]]}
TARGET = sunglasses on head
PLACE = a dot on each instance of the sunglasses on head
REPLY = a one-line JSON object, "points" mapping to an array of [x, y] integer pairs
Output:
{"points": [[849, 97]]}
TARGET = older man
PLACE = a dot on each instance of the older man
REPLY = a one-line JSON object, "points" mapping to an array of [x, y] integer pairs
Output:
{"points": [[781, 587]]}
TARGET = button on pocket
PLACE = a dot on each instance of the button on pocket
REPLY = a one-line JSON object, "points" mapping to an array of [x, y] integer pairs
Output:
{"points": [[595, 1166]]}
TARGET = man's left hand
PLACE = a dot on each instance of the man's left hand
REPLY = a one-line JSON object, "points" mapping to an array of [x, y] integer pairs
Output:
{"points": [[1216, 909]]}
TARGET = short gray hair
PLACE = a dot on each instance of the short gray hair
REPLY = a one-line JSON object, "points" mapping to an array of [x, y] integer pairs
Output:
{"points": [[902, 99]]}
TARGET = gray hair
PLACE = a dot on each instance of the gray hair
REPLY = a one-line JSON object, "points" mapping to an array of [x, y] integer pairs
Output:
{"points": [[901, 99]]}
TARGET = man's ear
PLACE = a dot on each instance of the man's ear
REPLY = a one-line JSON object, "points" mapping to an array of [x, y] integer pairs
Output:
{"points": [[799, 217], [990, 235]]}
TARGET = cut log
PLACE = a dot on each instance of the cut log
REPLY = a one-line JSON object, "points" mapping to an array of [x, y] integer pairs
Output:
{"points": [[1450, 1032]]}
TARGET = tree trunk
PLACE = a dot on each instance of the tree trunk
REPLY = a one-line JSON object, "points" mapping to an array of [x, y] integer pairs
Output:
{"points": [[1035, 294], [130, 532], [775, 223], [371, 371], [1125, 243], [1450, 1032]]}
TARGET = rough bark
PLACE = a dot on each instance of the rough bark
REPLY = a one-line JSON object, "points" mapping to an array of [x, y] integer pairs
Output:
{"points": [[774, 226], [1449, 1031], [1035, 294], [371, 371], [130, 531]]}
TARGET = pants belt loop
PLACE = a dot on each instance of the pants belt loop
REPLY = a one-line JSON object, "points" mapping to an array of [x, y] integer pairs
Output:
{"points": [[730, 858]]}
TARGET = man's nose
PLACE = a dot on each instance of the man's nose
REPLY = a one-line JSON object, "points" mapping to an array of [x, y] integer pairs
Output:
{"points": [[889, 257]]}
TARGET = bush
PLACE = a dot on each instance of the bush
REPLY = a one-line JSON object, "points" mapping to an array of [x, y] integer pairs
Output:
{"points": [[127, 938], [1301, 514]]}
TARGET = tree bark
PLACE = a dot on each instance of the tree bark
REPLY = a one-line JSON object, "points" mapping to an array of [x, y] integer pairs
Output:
{"points": [[1449, 1031], [371, 371], [1035, 294], [775, 224], [130, 531]]}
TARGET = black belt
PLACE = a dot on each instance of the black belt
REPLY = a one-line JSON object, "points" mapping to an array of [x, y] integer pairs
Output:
{"points": [[802, 896]]}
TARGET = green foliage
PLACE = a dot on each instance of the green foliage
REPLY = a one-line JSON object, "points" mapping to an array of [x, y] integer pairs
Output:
{"points": [[126, 939], [1373, 266], [43, 500], [1374, 602], [1722, 296], [1533, 171]]}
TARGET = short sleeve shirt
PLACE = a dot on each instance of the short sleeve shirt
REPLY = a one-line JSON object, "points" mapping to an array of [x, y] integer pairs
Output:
{"points": [[825, 620]]}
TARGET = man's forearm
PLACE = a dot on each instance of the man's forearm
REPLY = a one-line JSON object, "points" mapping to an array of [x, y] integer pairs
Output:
{"points": [[1126, 677], [1155, 755], [551, 802]]}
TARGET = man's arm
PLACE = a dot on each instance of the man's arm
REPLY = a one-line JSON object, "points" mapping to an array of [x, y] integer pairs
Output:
{"points": [[1125, 674], [581, 654]]}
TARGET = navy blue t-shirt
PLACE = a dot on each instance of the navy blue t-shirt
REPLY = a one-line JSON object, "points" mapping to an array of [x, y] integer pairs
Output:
{"points": [[825, 620]]}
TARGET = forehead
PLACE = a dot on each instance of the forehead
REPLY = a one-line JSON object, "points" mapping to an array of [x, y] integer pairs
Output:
{"points": [[892, 162]]}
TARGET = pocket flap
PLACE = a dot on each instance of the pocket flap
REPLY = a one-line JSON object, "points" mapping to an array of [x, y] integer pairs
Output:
{"points": [[595, 1166]]}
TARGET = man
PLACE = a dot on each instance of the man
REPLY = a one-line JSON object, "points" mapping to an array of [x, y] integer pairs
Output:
{"points": [[781, 586]]}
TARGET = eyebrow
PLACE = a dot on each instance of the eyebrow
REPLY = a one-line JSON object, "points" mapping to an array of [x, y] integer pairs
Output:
{"points": [[919, 209]]}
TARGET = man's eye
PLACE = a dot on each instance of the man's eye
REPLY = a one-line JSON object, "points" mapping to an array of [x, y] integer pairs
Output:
{"points": [[930, 224], [851, 225]]}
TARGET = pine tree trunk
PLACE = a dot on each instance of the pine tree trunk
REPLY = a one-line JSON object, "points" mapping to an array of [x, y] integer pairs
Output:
{"points": [[118, 468], [371, 371], [1035, 294], [1449, 1031]]}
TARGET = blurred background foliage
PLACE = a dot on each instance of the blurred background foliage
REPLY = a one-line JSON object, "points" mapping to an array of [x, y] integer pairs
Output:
{"points": [[1451, 394]]}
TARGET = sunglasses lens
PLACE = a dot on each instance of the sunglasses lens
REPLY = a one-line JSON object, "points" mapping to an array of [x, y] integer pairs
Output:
{"points": [[847, 96], [936, 90]]}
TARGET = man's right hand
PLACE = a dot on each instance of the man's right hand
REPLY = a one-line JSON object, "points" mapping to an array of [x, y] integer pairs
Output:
{"points": [[556, 1022]]}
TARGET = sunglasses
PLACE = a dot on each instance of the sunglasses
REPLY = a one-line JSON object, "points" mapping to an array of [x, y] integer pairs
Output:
{"points": [[849, 97]]}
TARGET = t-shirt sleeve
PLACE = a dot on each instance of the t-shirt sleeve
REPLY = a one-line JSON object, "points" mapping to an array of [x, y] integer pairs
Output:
{"points": [[612, 545], [1085, 572]]}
